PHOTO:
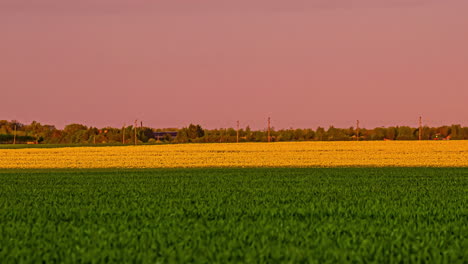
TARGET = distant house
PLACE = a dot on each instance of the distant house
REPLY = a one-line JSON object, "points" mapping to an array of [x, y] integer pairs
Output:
{"points": [[165, 134]]}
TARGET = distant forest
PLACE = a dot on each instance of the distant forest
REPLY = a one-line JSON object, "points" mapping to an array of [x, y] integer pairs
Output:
{"points": [[36, 133]]}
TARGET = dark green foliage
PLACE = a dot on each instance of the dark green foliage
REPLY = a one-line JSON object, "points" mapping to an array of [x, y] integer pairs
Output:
{"points": [[406, 133], [192, 133], [19, 139], [80, 134], [336, 215]]}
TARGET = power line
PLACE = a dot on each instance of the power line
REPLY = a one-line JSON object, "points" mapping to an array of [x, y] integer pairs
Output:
{"points": [[269, 121], [357, 130], [135, 132]]}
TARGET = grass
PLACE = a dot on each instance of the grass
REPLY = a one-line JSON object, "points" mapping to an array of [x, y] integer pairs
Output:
{"points": [[313, 215]]}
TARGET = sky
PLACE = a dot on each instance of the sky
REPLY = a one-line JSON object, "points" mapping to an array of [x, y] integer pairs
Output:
{"points": [[169, 63]]}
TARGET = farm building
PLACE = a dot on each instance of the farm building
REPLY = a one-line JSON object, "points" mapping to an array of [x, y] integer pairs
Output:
{"points": [[164, 134]]}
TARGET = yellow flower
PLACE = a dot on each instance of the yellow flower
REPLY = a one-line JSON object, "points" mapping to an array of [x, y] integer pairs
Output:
{"points": [[287, 154]]}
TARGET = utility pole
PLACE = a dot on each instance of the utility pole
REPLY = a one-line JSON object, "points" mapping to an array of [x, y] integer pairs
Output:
{"points": [[420, 128], [269, 138], [123, 134], [135, 132], [237, 131], [357, 130], [14, 136]]}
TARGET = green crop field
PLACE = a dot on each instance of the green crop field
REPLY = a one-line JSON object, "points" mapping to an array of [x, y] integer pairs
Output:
{"points": [[326, 215]]}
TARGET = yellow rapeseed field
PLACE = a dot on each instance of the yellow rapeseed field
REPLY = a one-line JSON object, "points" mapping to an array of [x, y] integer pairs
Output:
{"points": [[288, 154]]}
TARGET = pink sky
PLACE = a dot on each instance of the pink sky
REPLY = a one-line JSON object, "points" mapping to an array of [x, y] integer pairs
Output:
{"points": [[168, 63]]}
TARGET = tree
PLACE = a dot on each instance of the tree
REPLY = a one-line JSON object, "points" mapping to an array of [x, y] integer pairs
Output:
{"points": [[378, 133], [456, 132], [248, 133], [190, 133], [320, 134], [336, 134], [405, 133], [391, 133]]}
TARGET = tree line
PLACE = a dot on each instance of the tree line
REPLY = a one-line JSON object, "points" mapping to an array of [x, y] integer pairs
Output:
{"points": [[37, 133]]}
